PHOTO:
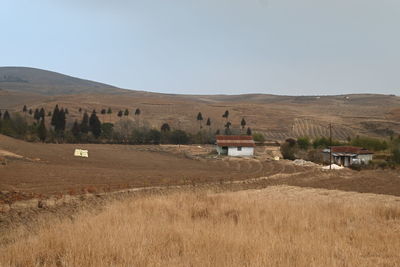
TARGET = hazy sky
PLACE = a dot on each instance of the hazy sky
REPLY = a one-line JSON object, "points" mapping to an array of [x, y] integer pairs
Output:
{"points": [[210, 46]]}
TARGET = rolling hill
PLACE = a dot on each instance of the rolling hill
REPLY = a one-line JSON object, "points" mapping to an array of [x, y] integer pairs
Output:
{"points": [[22, 79], [278, 117]]}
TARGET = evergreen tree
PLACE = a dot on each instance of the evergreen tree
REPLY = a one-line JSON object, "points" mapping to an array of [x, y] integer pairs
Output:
{"points": [[137, 112], [85, 123], [76, 130], [6, 116], [30, 111], [36, 115], [24, 109], [126, 113], [42, 113], [249, 132], [54, 118], [208, 123], [80, 110], [217, 132], [109, 111], [200, 119], [1, 114], [226, 114], [165, 127], [49, 114], [41, 131], [243, 123], [60, 121], [95, 125], [120, 113]]}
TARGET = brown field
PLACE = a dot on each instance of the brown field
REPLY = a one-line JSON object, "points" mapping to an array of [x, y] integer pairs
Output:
{"points": [[276, 226], [34, 170], [278, 117]]}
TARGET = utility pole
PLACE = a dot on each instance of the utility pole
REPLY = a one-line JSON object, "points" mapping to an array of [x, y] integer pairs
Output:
{"points": [[330, 146]]}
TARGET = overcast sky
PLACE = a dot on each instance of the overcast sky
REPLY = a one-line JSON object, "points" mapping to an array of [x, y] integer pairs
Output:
{"points": [[293, 47]]}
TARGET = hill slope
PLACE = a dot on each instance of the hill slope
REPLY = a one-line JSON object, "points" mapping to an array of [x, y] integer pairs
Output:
{"points": [[45, 82]]}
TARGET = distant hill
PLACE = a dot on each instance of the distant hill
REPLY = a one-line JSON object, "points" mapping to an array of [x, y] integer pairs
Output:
{"points": [[278, 117], [31, 80]]}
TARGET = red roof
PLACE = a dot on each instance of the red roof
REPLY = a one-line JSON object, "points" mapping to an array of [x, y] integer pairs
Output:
{"points": [[350, 149], [235, 140]]}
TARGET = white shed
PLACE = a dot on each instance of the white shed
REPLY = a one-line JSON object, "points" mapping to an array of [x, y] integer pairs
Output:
{"points": [[235, 145]]}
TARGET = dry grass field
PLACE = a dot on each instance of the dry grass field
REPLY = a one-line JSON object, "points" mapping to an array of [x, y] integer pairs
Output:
{"points": [[276, 226]]}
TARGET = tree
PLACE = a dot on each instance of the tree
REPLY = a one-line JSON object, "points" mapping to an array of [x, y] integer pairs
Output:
{"points": [[243, 123], [76, 130], [137, 113], [217, 132], [126, 113], [165, 127], [6, 116], [85, 123], [200, 119], [60, 122], [66, 111], [179, 137], [226, 114], [42, 113], [30, 111], [54, 118], [95, 125], [120, 113], [80, 110], [24, 109], [153, 137], [303, 142], [258, 137], [41, 130], [36, 115], [49, 114], [248, 131]]}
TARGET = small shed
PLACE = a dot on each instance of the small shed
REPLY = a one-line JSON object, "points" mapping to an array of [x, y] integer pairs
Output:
{"points": [[235, 145], [348, 155]]}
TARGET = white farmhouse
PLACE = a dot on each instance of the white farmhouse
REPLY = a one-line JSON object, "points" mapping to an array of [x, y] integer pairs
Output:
{"points": [[235, 145], [347, 155]]}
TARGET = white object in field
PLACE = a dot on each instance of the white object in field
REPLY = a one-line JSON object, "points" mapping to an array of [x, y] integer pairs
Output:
{"points": [[334, 167], [81, 153], [276, 158]]}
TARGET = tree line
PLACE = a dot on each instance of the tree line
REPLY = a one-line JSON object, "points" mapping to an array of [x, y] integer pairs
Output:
{"points": [[52, 126]]}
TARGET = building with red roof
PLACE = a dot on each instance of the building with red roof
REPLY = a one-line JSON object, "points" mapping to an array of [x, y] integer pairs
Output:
{"points": [[235, 145]]}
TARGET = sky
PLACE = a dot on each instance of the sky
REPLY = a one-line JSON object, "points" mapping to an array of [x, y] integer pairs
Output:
{"points": [[287, 47]]}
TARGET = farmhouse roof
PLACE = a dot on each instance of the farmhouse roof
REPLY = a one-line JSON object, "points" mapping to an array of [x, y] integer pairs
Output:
{"points": [[350, 150], [235, 140]]}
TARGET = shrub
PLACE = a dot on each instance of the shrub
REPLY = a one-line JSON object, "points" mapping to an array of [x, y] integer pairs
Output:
{"points": [[288, 151], [258, 137], [303, 142]]}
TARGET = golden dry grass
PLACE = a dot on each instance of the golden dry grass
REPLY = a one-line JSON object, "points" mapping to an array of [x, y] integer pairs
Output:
{"points": [[277, 226]]}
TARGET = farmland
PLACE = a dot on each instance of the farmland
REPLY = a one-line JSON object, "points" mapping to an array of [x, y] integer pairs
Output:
{"points": [[279, 225]]}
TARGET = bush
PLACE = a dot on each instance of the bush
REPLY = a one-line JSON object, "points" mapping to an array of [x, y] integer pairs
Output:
{"points": [[258, 137], [288, 151], [370, 143], [303, 142]]}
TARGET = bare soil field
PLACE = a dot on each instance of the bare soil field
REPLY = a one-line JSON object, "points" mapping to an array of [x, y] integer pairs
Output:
{"points": [[275, 226], [39, 170]]}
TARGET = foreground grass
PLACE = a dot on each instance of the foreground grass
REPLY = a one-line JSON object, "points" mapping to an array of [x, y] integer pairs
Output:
{"points": [[278, 226]]}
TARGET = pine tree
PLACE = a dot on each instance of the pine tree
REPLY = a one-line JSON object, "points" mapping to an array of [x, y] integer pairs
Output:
{"points": [[30, 111], [41, 131], [200, 119], [165, 127], [54, 118], [120, 113], [126, 113], [6, 116], [42, 113], [76, 130], [49, 114], [243, 123], [95, 125], [36, 115], [226, 114], [24, 109], [249, 132], [85, 123], [60, 121], [80, 110], [137, 112]]}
